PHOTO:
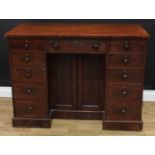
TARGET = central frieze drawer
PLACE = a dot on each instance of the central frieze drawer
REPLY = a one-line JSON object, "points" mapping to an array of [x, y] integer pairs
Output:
{"points": [[77, 45]]}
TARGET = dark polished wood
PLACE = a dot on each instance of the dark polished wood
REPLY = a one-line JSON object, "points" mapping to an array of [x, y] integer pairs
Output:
{"points": [[27, 58], [31, 122], [127, 46], [31, 108], [77, 114], [77, 46], [123, 125], [125, 76], [124, 92], [125, 60], [78, 71]]}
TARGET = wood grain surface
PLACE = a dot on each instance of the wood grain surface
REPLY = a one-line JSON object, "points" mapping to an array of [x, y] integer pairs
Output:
{"points": [[78, 30]]}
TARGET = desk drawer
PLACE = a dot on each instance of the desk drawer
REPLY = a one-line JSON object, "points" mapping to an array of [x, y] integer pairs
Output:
{"points": [[125, 60], [77, 45], [25, 58], [127, 45], [29, 91], [123, 111], [125, 75], [28, 74], [124, 92], [31, 108], [26, 44]]}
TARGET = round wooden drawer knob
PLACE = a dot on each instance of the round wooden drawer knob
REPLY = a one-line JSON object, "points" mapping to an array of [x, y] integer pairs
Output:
{"points": [[27, 59], [125, 60], [28, 74], [29, 108], [96, 46], [56, 46], [26, 45], [29, 91], [123, 110], [124, 93], [126, 45], [125, 75]]}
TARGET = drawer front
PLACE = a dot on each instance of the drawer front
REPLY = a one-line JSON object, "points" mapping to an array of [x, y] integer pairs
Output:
{"points": [[25, 58], [127, 45], [29, 108], [29, 91], [77, 46], [28, 74], [119, 111], [125, 75], [124, 92], [125, 60], [26, 44]]}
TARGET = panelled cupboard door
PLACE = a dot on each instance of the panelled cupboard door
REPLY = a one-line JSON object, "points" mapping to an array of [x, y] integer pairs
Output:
{"points": [[76, 82], [62, 82], [91, 73]]}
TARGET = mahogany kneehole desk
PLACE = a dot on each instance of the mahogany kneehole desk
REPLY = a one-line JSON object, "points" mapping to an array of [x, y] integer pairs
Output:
{"points": [[78, 71]]}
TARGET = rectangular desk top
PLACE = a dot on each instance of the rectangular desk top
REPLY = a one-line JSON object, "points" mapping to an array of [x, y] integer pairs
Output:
{"points": [[81, 30]]}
